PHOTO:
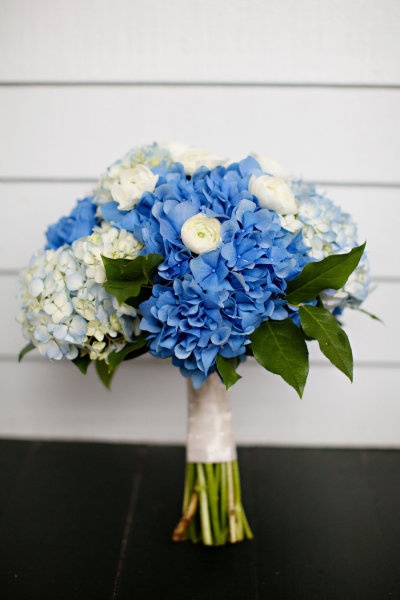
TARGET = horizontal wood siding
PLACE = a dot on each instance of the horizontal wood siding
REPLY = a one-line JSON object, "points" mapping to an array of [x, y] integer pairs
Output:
{"points": [[217, 41], [323, 134]]}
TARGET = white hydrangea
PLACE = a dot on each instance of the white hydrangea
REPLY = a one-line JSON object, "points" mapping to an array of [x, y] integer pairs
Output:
{"points": [[64, 306]]}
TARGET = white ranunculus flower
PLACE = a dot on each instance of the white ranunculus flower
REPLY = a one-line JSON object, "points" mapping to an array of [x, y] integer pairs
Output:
{"points": [[192, 158], [131, 184], [273, 193], [272, 167], [201, 233]]}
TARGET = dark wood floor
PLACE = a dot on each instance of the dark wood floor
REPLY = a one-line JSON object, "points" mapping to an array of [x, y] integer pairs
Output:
{"points": [[93, 521]]}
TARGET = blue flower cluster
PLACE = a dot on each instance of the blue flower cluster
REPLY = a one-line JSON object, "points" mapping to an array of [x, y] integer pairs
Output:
{"points": [[209, 304], [79, 223]]}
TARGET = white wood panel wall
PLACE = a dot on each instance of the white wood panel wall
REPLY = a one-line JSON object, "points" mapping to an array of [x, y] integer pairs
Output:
{"points": [[219, 41], [314, 84]]}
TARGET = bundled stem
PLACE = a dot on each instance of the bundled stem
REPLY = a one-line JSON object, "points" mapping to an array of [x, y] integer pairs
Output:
{"points": [[212, 506]]}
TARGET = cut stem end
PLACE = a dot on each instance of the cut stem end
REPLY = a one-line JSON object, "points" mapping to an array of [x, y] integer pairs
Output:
{"points": [[213, 513]]}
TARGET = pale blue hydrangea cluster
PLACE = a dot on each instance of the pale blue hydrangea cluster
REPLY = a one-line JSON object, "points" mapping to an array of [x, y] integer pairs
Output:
{"points": [[65, 309], [327, 230]]}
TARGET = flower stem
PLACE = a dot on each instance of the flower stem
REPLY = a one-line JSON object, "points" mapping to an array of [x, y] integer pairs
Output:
{"points": [[189, 484], [204, 509], [224, 498], [212, 506], [179, 532], [231, 506], [242, 519], [213, 499]]}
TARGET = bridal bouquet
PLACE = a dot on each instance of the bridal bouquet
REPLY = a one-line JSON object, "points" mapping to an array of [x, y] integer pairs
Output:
{"points": [[205, 262]]}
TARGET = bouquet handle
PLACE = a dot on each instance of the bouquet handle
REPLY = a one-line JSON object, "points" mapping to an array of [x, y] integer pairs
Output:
{"points": [[212, 512]]}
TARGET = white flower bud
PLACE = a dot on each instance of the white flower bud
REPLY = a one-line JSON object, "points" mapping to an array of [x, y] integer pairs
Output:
{"points": [[273, 193], [201, 233], [131, 184]]}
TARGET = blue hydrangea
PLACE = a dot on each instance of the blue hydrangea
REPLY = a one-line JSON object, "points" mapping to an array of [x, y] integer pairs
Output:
{"points": [[79, 223], [192, 326], [158, 218], [228, 291]]}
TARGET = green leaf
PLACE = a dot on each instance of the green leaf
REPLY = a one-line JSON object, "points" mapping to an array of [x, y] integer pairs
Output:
{"points": [[330, 273], [116, 358], [150, 264], [106, 370], [82, 362], [122, 290], [227, 369], [141, 268], [25, 351], [279, 347], [319, 324], [104, 373], [126, 278]]}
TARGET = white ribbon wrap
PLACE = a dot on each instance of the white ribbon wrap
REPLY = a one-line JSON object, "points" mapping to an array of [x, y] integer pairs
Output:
{"points": [[210, 438]]}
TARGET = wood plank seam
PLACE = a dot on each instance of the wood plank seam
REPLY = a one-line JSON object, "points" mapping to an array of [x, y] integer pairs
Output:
{"points": [[129, 519]]}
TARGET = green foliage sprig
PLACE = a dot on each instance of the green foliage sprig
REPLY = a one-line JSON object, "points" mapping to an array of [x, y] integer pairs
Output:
{"points": [[280, 346]]}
